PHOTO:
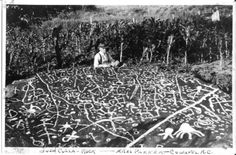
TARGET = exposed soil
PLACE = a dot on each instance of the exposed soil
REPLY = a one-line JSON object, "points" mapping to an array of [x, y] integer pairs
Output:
{"points": [[214, 74]]}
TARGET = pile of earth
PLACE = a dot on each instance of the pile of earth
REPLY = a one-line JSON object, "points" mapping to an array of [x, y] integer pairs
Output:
{"points": [[215, 74]]}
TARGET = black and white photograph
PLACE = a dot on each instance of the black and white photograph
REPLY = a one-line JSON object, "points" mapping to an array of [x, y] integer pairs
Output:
{"points": [[118, 76]]}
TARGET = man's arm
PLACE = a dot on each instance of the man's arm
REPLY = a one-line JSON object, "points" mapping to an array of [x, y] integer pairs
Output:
{"points": [[110, 58], [113, 62]]}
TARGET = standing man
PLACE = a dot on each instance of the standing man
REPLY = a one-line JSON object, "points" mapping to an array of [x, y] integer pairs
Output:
{"points": [[104, 59]]}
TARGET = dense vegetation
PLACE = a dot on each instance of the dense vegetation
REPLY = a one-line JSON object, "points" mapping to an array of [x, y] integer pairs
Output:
{"points": [[39, 45]]}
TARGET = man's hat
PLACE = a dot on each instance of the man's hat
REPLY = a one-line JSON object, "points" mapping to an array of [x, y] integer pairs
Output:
{"points": [[102, 45]]}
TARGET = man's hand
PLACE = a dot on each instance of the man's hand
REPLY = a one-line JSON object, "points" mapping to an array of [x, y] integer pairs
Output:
{"points": [[114, 63]]}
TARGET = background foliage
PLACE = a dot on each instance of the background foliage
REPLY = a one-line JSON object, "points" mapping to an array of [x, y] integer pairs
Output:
{"points": [[30, 44]]}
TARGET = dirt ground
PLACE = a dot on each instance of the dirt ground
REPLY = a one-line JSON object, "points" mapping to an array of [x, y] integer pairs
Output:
{"points": [[214, 74]]}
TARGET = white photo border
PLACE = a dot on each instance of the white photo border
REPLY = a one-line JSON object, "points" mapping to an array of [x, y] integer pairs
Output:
{"points": [[164, 151]]}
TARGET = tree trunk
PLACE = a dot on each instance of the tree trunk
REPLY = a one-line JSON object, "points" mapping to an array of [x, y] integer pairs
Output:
{"points": [[121, 51], [11, 58], [144, 54], [168, 53], [221, 54], [58, 54], [226, 46], [201, 58], [147, 55], [151, 55], [187, 32], [55, 35], [185, 57], [226, 50], [210, 58], [186, 52], [90, 46], [170, 41], [78, 44]]}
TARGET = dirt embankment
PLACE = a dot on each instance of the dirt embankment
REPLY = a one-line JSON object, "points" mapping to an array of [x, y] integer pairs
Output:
{"points": [[213, 73]]}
